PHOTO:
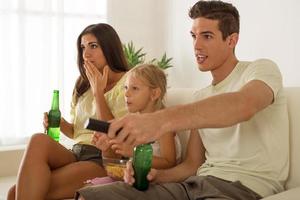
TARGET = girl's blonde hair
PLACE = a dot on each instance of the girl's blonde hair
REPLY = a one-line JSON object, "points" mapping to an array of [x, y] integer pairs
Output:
{"points": [[153, 77]]}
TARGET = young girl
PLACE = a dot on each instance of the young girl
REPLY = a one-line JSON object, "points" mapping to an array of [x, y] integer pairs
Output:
{"points": [[145, 88]]}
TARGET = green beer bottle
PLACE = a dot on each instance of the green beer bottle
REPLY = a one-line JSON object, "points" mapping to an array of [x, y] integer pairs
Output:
{"points": [[142, 162], [54, 117]]}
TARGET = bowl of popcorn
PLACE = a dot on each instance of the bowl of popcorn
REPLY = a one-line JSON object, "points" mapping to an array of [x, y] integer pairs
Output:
{"points": [[115, 167]]}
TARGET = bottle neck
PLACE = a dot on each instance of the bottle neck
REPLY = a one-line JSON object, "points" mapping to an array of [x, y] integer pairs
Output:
{"points": [[55, 100]]}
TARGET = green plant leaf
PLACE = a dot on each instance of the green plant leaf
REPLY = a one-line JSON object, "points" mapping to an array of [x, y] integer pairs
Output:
{"points": [[135, 57], [164, 62]]}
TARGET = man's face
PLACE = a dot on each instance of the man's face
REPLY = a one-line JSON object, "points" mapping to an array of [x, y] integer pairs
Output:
{"points": [[210, 49]]}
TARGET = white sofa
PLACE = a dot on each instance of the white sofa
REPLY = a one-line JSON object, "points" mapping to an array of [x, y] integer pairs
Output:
{"points": [[184, 95]]}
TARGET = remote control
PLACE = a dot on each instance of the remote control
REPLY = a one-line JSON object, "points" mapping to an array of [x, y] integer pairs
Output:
{"points": [[97, 125]]}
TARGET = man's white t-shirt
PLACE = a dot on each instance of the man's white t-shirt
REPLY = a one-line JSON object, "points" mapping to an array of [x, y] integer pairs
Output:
{"points": [[255, 152]]}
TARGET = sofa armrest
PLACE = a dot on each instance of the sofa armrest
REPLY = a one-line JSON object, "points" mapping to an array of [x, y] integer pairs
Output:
{"points": [[291, 194]]}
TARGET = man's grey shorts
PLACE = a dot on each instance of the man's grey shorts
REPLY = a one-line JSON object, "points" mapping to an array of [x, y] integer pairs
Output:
{"points": [[195, 187]]}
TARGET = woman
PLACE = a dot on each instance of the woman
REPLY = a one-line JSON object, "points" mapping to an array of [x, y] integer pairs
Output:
{"points": [[49, 170]]}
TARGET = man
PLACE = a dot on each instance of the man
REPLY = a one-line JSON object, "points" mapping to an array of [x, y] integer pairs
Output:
{"points": [[242, 149]]}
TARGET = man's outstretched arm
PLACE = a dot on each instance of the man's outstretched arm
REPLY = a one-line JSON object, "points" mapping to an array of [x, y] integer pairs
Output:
{"points": [[214, 112]]}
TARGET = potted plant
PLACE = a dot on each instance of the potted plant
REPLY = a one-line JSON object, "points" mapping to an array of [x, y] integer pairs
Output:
{"points": [[137, 56]]}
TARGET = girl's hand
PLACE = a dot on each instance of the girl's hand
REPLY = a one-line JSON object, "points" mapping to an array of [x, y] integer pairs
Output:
{"points": [[45, 122], [129, 173], [101, 141], [98, 80], [123, 149]]}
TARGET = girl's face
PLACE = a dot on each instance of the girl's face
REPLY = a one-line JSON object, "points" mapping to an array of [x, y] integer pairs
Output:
{"points": [[138, 96], [91, 51]]}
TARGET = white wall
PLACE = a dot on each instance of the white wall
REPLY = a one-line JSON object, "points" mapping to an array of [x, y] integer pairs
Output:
{"points": [[142, 22], [10, 160], [269, 28], [185, 72]]}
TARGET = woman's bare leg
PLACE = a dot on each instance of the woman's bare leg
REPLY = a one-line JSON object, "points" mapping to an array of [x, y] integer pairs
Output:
{"points": [[66, 180], [11, 193], [41, 156], [49, 171]]}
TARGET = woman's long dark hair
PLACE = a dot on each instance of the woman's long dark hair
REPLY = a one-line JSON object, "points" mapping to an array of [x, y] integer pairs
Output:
{"points": [[112, 49]]}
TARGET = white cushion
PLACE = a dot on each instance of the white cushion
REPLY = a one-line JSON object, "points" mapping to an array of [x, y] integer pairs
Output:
{"points": [[292, 194], [178, 96], [293, 98]]}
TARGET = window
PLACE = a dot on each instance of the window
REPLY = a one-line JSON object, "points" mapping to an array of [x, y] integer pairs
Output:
{"points": [[38, 55]]}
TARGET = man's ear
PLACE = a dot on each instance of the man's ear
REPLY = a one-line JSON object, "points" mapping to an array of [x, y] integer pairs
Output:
{"points": [[156, 92], [233, 39]]}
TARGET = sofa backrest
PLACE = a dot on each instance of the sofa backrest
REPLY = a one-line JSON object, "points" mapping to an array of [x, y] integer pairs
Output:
{"points": [[176, 96], [293, 99], [179, 96]]}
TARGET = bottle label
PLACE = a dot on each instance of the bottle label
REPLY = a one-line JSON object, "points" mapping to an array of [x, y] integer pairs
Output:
{"points": [[54, 118]]}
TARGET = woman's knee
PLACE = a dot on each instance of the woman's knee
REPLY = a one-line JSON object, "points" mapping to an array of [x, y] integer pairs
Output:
{"points": [[39, 139], [39, 142], [11, 193]]}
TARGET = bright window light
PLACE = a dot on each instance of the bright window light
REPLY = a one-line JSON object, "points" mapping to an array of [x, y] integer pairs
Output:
{"points": [[38, 55]]}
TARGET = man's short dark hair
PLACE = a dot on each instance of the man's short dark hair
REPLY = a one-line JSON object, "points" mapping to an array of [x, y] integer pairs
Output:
{"points": [[225, 13]]}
